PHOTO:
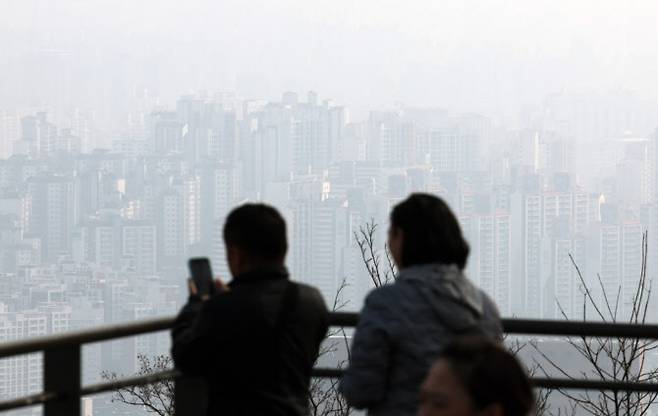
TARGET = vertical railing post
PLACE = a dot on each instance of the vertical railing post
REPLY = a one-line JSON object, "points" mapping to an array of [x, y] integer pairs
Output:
{"points": [[190, 396], [61, 373]]}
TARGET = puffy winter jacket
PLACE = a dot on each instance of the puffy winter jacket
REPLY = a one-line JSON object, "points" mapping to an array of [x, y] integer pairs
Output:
{"points": [[403, 328]]}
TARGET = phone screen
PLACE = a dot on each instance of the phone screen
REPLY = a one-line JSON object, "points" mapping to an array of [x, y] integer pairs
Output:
{"points": [[202, 275]]}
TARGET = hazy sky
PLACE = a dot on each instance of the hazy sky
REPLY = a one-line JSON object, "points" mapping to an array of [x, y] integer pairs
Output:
{"points": [[490, 56]]}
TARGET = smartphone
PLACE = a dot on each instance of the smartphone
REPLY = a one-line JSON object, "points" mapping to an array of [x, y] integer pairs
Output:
{"points": [[202, 276]]}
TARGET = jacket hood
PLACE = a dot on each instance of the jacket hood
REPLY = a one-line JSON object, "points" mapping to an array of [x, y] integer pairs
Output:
{"points": [[454, 299]]}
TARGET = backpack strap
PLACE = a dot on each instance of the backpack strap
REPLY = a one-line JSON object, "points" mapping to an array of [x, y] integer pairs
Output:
{"points": [[288, 303]]}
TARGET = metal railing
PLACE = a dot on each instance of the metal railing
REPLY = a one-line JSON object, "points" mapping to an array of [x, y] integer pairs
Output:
{"points": [[63, 387]]}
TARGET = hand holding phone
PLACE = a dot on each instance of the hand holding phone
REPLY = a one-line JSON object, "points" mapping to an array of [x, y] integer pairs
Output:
{"points": [[220, 286], [202, 278]]}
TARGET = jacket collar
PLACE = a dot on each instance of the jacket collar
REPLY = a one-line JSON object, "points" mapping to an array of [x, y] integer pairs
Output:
{"points": [[444, 280], [430, 270], [260, 274]]}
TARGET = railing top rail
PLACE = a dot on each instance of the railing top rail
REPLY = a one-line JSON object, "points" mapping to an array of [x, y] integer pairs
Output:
{"points": [[85, 336], [580, 328], [549, 327], [511, 326]]}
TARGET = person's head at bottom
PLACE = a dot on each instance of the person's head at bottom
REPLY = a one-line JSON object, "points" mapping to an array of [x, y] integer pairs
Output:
{"points": [[255, 237], [476, 377]]}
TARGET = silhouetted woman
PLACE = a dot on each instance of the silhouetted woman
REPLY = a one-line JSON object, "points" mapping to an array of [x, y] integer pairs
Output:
{"points": [[475, 377], [404, 326]]}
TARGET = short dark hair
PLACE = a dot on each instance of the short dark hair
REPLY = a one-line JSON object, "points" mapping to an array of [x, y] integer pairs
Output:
{"points": [[259, 230], [490, 374], [431, 232]]}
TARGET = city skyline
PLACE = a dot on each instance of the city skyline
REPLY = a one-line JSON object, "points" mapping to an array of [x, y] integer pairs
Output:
{"points": [[250, 149], [100, 236]]}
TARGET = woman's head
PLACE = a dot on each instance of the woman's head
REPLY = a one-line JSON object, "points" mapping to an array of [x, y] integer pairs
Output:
{"points": [[475, 377], [424, 230]]}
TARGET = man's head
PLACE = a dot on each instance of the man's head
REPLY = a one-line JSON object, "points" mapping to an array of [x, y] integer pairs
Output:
{"points": [[255, 236]]}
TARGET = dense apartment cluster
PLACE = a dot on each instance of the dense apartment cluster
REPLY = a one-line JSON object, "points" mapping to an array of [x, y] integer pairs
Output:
{"points": [[91, 236]]}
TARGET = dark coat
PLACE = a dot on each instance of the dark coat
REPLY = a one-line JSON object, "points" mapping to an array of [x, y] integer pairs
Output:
{"points": [[403, 328], [252, 363]]}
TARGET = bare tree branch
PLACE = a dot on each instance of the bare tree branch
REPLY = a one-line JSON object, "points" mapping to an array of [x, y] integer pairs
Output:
{"points": [[156, 398], [614, 359]]}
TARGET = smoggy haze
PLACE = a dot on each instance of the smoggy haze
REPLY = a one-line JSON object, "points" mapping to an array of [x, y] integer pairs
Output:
{"points": [[490, 56]]}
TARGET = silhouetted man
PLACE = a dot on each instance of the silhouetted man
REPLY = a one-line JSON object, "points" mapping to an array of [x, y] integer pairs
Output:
{"points": [[254, 342]]}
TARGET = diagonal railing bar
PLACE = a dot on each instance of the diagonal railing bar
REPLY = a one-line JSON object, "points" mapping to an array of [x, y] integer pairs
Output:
{"points": [[27, 401], [158, 377]]}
